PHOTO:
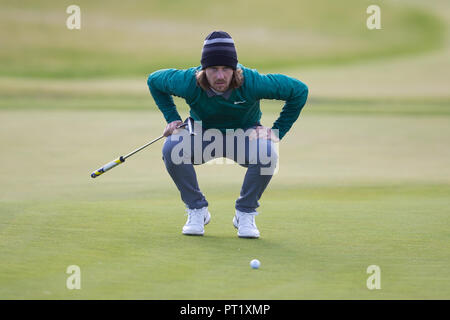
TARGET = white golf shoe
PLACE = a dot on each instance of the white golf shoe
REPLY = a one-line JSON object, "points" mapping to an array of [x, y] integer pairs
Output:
{"points": [[197, 219], [245, 223]]}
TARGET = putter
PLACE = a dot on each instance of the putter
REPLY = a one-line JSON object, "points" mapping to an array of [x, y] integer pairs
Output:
{"points": [[122, 159], [190, 127]]}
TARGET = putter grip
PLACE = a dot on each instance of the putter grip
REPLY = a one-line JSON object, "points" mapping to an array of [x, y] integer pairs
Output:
{"points": [[107, 167]]}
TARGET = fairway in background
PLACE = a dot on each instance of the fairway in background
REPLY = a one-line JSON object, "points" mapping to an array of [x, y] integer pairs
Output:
{"points": [[123, 39]]}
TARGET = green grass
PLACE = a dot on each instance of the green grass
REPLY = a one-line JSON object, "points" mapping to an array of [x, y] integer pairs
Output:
{"points": [[131, 40], [336, 206], [316, 244], [373, 107]]}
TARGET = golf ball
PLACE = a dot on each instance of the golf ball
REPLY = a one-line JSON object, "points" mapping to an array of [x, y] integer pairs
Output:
{"points": [[255, 264]]}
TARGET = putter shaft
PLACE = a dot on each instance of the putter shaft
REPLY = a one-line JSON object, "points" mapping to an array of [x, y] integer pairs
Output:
{"points": [[121, 159], [140, 148]]}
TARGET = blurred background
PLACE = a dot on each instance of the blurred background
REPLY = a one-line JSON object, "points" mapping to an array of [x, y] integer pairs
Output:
{"points": [[374, 134]]}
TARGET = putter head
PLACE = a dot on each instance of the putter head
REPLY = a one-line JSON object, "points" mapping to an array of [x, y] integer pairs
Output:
{"points": [[190, 126]]}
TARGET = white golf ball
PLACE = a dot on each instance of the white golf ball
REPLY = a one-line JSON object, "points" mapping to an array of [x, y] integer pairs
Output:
{"points": [[255, 264]]}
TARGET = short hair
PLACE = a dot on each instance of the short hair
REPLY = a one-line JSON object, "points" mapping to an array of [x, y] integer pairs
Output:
{"points": [[236, 81]]}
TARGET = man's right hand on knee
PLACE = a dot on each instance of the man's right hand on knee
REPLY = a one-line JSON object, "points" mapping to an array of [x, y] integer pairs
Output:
{"points": [[171, 127]]}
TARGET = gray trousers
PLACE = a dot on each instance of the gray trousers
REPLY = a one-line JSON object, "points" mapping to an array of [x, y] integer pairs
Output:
{"points": [[259, 156]]}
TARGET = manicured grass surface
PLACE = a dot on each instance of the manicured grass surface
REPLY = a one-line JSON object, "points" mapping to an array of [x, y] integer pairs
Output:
{"points": [[336, 206], [316, 244]]}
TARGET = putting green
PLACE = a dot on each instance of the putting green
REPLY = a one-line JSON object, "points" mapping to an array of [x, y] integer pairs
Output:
{"points": [[351, 191]]}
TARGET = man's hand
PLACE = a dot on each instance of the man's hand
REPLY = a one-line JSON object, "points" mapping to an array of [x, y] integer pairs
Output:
{"points": [[261, 132], [171, 127]]}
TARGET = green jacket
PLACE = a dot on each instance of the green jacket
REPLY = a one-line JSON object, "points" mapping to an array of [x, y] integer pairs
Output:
{"points": [[239, 109]]}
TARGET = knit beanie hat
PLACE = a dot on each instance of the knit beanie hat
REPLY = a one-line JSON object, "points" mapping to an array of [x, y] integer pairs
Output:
{"points": [[219, 50]]}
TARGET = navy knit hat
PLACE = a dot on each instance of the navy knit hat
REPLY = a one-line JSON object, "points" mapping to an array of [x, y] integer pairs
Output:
{"points": [[219, 50]]}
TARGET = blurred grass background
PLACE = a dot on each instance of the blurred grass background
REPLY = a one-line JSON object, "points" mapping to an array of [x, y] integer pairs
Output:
{"points": [[104, 65], [364, 173], [128, 39]]}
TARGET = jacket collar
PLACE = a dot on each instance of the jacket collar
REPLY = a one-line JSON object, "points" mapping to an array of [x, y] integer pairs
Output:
{"points": [[226, 94]]}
